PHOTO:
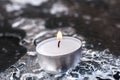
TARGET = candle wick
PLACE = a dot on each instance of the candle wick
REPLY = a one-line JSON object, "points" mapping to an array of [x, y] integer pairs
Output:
{"points": [[59, 44]]}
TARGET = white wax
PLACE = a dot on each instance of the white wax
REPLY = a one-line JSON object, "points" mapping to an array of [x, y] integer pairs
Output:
{"points": [[49, 47]]}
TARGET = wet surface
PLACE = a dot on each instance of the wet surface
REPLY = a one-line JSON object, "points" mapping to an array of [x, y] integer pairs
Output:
{"points": [[95, 21], [10, 48]]}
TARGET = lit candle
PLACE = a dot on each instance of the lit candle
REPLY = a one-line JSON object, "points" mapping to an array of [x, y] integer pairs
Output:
{"points": [[59, 54]]}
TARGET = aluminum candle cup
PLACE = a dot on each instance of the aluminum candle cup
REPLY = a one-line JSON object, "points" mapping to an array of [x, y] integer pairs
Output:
{"points": [[59, 59]]}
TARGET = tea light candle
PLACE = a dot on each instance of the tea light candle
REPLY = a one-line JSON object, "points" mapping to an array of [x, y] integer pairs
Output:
{"points": [[59, 54]]}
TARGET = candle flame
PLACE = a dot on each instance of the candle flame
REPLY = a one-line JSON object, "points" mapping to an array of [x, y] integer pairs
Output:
{"points": [[59, 35]]}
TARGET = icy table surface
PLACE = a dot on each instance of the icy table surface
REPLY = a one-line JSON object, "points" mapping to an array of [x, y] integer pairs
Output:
{"points": [[94, 65]]}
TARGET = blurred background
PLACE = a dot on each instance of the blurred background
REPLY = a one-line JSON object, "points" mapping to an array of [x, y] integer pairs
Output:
{"points": [[98, 21]]}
